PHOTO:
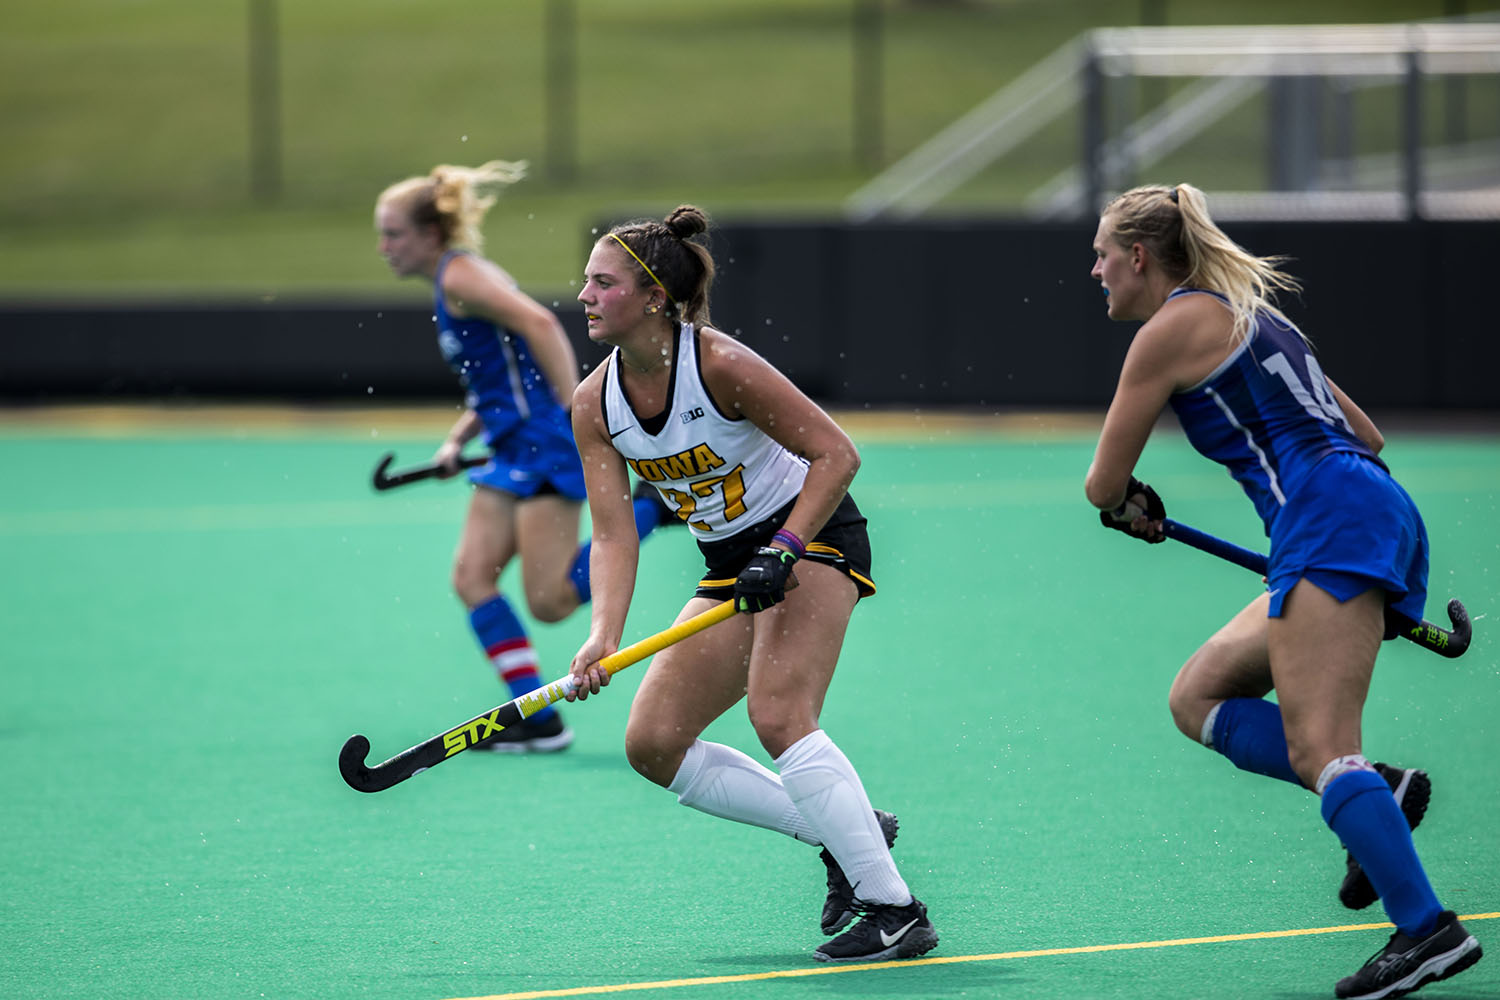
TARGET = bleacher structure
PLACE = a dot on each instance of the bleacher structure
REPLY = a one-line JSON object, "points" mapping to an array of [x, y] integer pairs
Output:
{"points": [[1306, 75]]}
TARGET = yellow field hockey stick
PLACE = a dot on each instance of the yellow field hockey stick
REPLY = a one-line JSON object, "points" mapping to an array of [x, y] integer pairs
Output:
{"points": [[446, 744]]}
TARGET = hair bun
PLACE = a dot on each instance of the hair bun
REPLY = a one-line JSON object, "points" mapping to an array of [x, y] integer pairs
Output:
{"points": [[686, 221]]}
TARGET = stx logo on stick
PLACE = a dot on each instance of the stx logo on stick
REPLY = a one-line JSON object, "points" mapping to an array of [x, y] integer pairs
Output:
{"points": [[468, 734]]}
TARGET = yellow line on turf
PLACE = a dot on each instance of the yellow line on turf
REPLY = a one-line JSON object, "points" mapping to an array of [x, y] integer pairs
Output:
{"points": [[827, 970]]}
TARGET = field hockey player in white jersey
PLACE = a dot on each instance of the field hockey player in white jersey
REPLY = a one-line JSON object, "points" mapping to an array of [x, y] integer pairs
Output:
{"points": [[761, 475]]}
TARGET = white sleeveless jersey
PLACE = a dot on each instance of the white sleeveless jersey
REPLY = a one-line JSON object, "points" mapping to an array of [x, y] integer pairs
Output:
{"points": [[719, 473]]}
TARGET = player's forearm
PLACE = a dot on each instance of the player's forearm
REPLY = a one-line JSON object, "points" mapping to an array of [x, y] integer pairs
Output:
{"points": [[555, 358], [612, 568], [828, 480], [465, 427]]}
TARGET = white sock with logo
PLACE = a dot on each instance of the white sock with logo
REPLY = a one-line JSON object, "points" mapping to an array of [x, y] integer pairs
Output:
{"points": [[723, 782], [827, 792]]}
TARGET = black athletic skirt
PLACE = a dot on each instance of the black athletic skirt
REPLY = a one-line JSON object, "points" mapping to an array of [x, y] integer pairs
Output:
{"points": [[844, 544]]}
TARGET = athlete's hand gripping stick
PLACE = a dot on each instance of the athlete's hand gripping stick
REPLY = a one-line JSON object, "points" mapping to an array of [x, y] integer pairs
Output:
{"points": [[384, 480], [1140, 499], [763, 582]]}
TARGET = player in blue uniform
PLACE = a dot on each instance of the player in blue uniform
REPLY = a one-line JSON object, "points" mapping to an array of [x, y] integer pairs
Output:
{"points": [[1346, 541], [518, 370]]}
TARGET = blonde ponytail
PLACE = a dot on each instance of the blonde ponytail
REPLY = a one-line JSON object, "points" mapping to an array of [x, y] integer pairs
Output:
{"points": [[1173, 224], [455, 199]]}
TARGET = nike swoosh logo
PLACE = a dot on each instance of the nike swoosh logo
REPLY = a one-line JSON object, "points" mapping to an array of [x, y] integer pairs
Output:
{"points": [[889, 939]]}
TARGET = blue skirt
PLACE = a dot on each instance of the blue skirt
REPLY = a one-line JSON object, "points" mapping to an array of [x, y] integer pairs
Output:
{"points": [[535, 458], [1350, 527]]}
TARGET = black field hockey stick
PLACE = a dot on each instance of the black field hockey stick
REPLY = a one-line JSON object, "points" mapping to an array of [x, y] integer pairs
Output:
{"points": [[460, 738], [390, 480], [1423, 633]]}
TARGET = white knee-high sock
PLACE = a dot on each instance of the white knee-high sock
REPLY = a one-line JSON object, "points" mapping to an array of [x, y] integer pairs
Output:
{"points": [[723, 782], [827, 792]]}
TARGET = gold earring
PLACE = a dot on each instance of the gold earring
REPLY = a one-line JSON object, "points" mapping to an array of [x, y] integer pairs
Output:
{"points": [[652, 309]]}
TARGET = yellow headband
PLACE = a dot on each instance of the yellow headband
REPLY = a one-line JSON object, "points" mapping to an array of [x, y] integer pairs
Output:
{"points": [[649, 273]]}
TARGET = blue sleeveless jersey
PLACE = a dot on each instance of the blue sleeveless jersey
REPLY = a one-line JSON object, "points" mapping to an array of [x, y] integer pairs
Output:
{"points": [[1266, 414], [501, 381]]}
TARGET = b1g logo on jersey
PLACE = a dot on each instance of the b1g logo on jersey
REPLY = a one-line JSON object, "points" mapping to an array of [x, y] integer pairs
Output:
{"points": [[688, 416], [450, 345]]}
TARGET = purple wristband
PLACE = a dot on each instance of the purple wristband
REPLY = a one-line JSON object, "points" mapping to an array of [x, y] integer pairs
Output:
{"points": [[791, 541]]}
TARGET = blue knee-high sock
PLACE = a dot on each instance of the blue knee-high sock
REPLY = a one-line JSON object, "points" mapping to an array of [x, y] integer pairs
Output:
{"points": [[1359, 807], [648, 517], [503, 638], [1249, 732]]}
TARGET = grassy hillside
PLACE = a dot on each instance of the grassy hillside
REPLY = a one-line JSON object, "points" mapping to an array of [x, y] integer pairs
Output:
{"points": [[126, 168]]}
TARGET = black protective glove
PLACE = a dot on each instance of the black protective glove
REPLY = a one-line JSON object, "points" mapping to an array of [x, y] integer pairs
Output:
{"points": [[763, 581], [1121, 517]]}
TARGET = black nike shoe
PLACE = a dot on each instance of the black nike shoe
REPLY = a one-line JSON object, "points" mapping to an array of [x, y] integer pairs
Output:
{"points": [[665, 516], [1406, 964], [884, 931], [838, 908], [547, 736], [1413, 790]]}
